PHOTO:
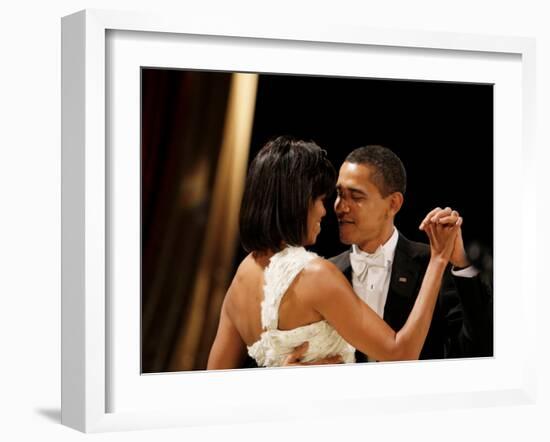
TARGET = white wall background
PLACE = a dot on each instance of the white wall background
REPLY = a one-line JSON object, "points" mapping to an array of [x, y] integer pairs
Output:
{"points": [[30, 217]]}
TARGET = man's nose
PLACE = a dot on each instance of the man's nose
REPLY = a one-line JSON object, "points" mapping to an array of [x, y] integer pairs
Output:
{"points": [[340, 205]]}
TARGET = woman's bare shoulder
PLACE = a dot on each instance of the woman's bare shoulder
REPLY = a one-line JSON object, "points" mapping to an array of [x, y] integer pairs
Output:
{"points": [[248, 267], [248, 275], [319, 267], [322, 277]]}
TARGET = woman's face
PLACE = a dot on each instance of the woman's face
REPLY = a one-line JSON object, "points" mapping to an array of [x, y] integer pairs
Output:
{"points": [[316, 213]]}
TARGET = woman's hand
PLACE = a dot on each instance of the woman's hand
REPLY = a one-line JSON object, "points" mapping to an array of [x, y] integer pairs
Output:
{"points": [[442, 227], [295, 358]]}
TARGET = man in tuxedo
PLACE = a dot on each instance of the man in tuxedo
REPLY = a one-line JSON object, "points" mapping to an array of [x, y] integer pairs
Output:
{"points": [[386, 269]]}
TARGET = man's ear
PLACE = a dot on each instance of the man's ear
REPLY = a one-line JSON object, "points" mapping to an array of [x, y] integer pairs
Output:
{"points": [[396, 201]]}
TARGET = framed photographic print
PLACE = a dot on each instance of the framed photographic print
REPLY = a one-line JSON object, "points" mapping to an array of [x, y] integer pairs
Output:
{"points": [[442, 131], [160, 120]]}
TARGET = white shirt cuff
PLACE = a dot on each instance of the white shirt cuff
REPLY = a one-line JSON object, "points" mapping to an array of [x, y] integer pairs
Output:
{"points": [[466, 272]]}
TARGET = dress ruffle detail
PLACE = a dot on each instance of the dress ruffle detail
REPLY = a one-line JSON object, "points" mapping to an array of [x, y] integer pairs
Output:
{"points": [[275, 345]]}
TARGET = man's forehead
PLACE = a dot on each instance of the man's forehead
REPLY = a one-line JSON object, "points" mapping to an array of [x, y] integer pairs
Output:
{"points": [[354, 175]]}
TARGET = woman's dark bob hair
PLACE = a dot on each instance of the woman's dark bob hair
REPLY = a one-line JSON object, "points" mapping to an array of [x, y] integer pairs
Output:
{"points": [[285, 177]]}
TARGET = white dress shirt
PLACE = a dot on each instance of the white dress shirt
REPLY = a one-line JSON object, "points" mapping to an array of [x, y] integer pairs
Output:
{"points": [[372, 283]]}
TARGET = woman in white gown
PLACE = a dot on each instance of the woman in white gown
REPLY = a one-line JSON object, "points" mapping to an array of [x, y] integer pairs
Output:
{"points": [[283, 295]]}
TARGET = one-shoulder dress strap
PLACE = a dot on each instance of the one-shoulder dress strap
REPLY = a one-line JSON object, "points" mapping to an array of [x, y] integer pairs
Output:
{"points": [[283, 267]]}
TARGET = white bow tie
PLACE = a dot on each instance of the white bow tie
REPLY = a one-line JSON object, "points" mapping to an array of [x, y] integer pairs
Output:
{"points": [[361, 262]]}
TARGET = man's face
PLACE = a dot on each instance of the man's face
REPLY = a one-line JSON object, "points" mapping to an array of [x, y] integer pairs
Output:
{"points": [[365, 218]]}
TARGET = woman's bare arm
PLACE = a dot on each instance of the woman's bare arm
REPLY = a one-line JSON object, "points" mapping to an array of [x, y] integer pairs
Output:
{"points": [[228, 350], [359, 325]]}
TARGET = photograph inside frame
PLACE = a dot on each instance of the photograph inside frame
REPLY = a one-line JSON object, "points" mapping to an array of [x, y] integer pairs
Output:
{"points": [[240, 168]]}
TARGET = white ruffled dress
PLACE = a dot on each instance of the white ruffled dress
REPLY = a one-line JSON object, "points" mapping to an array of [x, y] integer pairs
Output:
{"points": [[275, 345]]}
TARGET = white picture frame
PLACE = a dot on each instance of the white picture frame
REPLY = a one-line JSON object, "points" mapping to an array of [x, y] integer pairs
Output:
{"points": [[88, 359]]}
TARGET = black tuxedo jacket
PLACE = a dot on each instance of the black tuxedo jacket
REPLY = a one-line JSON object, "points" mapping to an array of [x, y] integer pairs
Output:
{"points": [[462, 323]]}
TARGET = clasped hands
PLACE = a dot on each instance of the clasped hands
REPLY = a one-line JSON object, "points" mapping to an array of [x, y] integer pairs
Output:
{"points": [[448, 218]]}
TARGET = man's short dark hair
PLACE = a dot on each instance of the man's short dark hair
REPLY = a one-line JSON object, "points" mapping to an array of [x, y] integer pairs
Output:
{"points": [[388, 173], [284, 178]]}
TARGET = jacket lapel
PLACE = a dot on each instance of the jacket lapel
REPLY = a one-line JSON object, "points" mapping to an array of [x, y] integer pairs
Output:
{"points": [[404, 284], [347, 272]]}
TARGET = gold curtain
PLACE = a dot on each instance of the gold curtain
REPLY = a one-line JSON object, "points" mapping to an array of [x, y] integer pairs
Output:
{"points": [[196, 129]]}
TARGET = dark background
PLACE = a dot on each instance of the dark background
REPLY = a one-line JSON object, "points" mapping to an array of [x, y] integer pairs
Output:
{"points": [[443, 133]]}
